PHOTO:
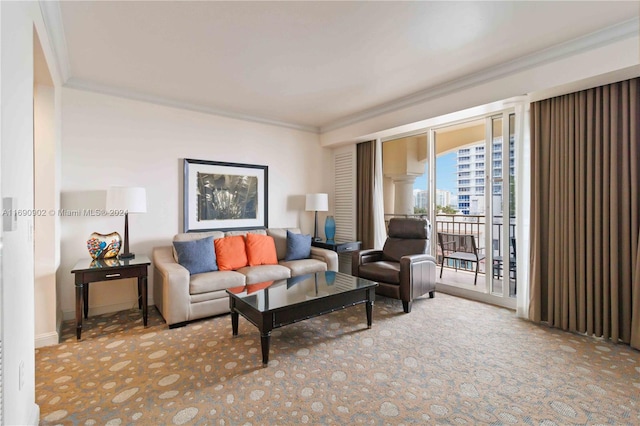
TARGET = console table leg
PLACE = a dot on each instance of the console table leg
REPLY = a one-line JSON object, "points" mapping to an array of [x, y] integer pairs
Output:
{"points": [[85, 297], [369, 307], [78, 310], [144, 299], [264, 342]]}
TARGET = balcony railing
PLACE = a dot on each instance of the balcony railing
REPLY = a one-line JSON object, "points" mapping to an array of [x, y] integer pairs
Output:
{"points": [[473, 225]]}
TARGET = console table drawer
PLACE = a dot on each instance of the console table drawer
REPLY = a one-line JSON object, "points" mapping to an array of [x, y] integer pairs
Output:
{"points": [[350, 246], [94, 276]]}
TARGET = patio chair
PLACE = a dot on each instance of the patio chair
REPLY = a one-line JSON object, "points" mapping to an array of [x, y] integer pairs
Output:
{"points": [[459, 248], [498, 260]]}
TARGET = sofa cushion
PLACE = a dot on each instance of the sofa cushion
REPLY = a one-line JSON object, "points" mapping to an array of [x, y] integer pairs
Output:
{"points": [[230, 253], [261, 250], [245, 232], [387, 272], [280, 238], [304, 266], [298, 246], [191, 236], [262, 273], [215, 281], [197, 256]]}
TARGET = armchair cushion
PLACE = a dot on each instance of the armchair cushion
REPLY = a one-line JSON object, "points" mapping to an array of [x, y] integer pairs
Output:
{"points": [[395, 248], [385, 271]]}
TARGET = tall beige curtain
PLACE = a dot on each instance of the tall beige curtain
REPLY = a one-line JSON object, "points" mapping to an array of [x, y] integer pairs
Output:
{"points": [[585, 230], [365, 162]]}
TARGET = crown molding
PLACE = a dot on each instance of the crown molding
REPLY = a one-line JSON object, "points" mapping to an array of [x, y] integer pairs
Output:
{"points": [[52, 18], [75, 83], [631, 28], [612, 34]]}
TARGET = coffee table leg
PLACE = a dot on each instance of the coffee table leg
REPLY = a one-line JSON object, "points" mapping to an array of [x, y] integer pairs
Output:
{"points": [[234, 322], [369, 307], [264, 342]]}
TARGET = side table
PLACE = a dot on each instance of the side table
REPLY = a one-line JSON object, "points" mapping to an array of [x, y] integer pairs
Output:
{"points": [[337, 246], [92, 270]]}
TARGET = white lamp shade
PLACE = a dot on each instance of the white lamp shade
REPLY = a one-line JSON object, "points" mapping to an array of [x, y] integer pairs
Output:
{"points": [[129, 199], [317, 202]]}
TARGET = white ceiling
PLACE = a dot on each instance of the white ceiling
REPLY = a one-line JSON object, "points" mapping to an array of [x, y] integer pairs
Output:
{"points": [[304, 64]]}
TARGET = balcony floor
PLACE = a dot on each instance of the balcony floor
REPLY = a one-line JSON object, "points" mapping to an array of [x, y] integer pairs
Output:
{"points": [[464, 279]]}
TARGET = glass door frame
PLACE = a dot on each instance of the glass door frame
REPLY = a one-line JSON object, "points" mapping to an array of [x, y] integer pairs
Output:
{"points": [[486, 295]]}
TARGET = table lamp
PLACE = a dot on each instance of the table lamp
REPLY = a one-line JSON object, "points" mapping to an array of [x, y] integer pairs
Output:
{"points": [[129, 200], [317, 203]]}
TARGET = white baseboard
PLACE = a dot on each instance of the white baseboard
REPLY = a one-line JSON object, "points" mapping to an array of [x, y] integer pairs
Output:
{"points": [[34, 415], [47, 339]]}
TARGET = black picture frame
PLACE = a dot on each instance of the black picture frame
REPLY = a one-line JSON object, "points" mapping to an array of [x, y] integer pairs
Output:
{"points": [[221, 196]]}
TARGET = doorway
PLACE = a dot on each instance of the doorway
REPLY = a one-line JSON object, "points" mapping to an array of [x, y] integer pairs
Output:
{"points": [[462, 175]]}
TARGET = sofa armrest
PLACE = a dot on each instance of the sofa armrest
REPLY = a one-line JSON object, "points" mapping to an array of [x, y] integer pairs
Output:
{"points": [[170, 286], [327, 256], [361, 257]]}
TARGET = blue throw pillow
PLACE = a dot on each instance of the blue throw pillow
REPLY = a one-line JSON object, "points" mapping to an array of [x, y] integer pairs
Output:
{"points": [[197, 256], [298, 246]]}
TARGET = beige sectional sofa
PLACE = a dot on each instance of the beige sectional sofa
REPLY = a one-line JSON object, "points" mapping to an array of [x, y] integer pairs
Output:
{"points": [[181, 297]]}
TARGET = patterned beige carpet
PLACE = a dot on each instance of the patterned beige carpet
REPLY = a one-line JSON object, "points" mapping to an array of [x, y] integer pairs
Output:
{"points": [[450, 361]]}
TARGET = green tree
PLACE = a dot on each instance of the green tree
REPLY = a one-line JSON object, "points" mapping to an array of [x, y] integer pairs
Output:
{"points": [[419, 210], [446, 210]]}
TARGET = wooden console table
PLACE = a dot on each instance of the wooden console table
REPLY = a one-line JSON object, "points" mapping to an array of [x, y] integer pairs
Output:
{"points": [[337, 246], [92, 270]]}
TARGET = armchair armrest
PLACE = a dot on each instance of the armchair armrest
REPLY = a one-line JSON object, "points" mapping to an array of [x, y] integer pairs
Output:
{"points": [[416, 258], [170, 286], [361, 257], [417, 275], [327, 256]]}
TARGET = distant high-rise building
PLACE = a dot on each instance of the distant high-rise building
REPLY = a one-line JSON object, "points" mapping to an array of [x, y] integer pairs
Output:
{"points": [[421, 198], [443, 197], [471, 165]]}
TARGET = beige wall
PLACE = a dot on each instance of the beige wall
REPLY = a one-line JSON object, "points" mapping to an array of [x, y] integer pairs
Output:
{"points": [[113, 141]]}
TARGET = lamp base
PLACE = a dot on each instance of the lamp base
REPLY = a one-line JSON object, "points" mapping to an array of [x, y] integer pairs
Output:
{"points": [[317, 239], [126, 255]]}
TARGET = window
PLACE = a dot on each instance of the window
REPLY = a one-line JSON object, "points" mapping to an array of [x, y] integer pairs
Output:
{"points": [[464, 182], [464, 174], [464, 159], [480, 157], [497, 163], [464, 166], [479, 165], [479, 172]]}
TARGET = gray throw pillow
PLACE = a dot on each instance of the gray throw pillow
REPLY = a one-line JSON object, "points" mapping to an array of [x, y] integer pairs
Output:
{"points": [[298, 246], [197, 256]]}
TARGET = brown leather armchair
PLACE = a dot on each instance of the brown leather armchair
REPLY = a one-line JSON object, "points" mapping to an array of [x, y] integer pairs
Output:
{"points": [[402, 268]]}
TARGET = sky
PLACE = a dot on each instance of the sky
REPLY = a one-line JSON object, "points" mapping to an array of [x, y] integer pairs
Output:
{"points": [[445, 174]]}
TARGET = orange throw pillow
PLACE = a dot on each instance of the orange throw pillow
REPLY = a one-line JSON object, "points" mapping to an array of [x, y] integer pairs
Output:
{"points": [[230, 253], [261, 250]]}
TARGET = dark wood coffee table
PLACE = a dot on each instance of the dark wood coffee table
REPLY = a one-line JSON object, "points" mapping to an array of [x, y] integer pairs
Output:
{"points": [[278, 303]]}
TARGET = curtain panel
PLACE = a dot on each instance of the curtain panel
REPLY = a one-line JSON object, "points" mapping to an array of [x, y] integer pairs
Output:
{"points": [[365, 173], [585, 204]]}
